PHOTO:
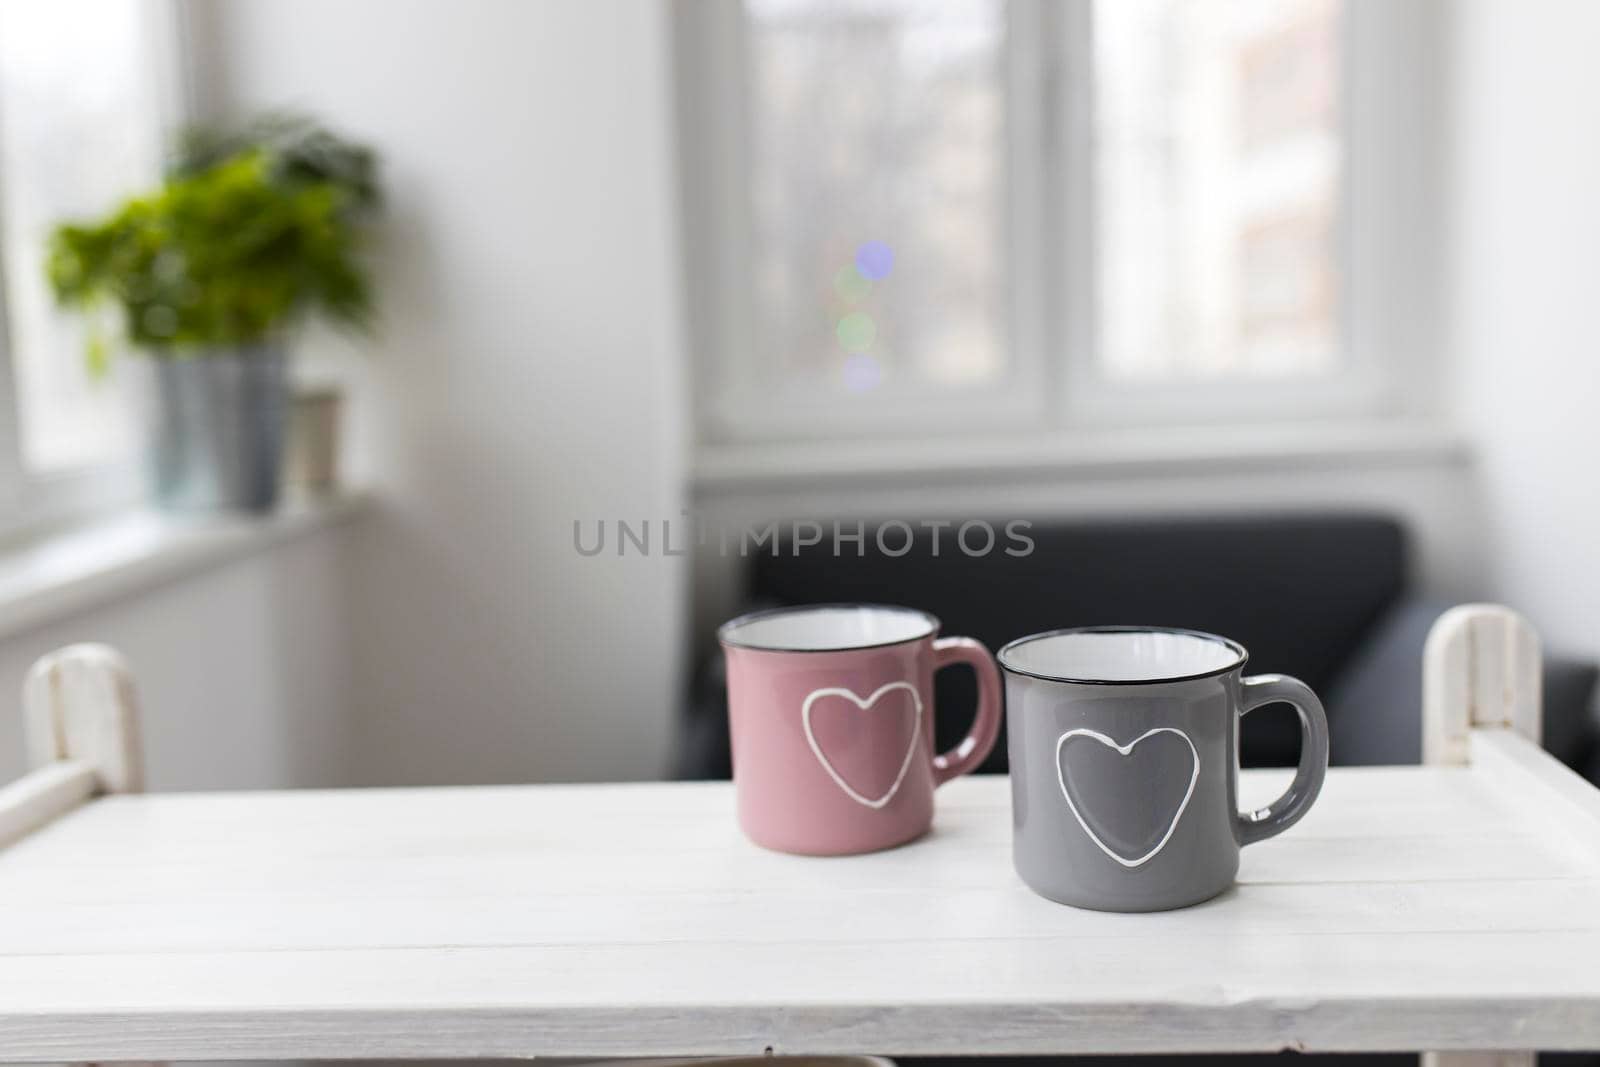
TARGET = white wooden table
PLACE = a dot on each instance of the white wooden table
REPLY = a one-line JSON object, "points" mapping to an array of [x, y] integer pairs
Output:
{"points": [[1440, 907]]}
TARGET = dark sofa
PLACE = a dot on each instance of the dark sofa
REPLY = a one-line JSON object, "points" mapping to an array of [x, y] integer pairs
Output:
{"points": [[1328, 598]]}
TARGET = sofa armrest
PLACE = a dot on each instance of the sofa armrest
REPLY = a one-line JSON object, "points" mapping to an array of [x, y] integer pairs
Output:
{"points": [[1571, 731], [704, 751], [1375, 701]]}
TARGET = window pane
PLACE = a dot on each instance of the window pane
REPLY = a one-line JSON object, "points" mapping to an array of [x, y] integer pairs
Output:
{"points": [[80, 127], [877, 132], [1217, 164]]}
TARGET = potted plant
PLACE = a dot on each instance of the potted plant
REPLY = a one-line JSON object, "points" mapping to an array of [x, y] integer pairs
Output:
{"points": [[253, 230]]}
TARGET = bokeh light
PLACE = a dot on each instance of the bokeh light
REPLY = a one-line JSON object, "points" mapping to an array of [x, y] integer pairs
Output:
{"points": [[874, 260], [851, 286], [857, 331], [861, 373]]}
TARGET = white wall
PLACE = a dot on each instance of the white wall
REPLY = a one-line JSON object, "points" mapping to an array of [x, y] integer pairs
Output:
{"points": [[243, 669], [1525, 297], [527, 373]]}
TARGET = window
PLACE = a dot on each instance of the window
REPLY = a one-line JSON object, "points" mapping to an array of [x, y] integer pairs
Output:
{"points": [[909, 214], [85, 104], [879, 201], [1217, 167]]}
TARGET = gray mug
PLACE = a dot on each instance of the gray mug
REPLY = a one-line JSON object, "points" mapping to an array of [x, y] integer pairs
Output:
{"points": [[1125, 764]]}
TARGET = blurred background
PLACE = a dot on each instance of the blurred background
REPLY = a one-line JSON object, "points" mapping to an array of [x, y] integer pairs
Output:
{"points": [[1274, 317]]}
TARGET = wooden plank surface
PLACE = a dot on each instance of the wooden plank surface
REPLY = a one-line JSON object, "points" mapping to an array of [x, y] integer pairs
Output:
{"points": [[1414, 907]]}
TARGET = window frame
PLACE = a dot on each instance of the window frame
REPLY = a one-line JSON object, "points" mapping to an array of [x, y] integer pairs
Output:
{"points": [[714, 139], [33, 500], [1387, 301]]}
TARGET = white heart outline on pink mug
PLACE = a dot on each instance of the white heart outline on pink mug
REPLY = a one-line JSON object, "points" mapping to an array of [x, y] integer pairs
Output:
{"points": [[848, 694]]}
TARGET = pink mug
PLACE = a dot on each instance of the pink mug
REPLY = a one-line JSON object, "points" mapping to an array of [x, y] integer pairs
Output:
{"points": [[831, 713]]}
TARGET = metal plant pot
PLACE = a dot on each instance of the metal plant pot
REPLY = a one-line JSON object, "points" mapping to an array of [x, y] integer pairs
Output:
{"points": [[218, 434]]}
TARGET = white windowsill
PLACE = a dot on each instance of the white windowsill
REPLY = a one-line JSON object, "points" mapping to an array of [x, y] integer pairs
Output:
{"points": [[727, 468], [52, 575]]}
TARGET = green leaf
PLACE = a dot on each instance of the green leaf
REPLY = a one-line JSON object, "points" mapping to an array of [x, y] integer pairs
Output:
{"points": [[252, 230], [98, 354]]}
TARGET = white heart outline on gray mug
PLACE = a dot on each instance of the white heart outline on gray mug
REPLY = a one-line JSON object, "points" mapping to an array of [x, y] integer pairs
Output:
{"points": [[849, 694], [1124, 750]]}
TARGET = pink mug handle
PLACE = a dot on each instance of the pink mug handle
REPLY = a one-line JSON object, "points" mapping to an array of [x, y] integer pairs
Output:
{"points": [[965, 757]]}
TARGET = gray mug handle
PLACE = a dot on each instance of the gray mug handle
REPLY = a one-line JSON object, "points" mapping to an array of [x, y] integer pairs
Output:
{"points": [[1275, 818]]}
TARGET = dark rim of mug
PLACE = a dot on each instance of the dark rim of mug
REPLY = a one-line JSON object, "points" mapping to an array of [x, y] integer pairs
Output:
{"points": [[794, 609], [1240, 652]]}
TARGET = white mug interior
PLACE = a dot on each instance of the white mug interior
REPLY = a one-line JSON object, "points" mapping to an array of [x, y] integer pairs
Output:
{"points": [[827, 628], [1117, 655]]}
